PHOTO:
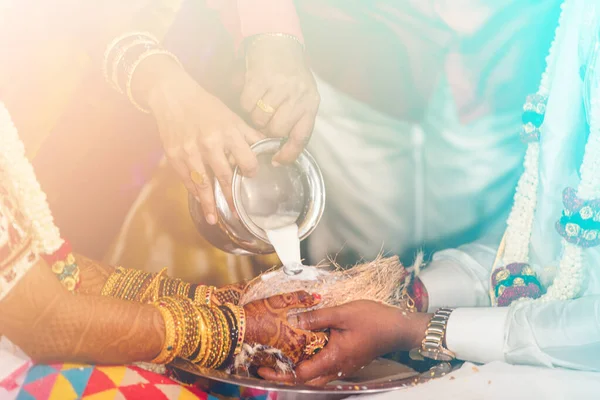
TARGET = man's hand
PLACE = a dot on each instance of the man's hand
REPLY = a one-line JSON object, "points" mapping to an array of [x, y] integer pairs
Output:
{"points": [[359, 332], [280, 93]]}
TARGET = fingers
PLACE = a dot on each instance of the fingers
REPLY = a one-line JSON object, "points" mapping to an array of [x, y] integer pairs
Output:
{"points": [[254, 90], [185, 175], [271, 100], [271, 375], [296, 142], [222, 170], [194, 176], [321, 365], [322, 380], [325, 318], [251, 135], [243, 155], [289, 301], [284, 119]]}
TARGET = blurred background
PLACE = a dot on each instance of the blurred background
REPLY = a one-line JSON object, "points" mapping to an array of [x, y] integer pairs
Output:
{"points": [[101, 161]]}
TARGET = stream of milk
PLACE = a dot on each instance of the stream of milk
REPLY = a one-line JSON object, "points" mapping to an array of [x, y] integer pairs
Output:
{"points": [[286, 242]]}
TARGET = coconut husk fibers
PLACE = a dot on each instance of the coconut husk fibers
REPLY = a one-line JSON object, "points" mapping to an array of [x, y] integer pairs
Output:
{"points": [[380, 280]]}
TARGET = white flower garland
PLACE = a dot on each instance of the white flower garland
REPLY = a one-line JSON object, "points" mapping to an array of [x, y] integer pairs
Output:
{"points": [[567, 283], [520, 220], [19, 173]]}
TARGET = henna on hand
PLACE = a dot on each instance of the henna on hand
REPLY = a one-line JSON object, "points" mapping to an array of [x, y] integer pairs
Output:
{"points": [[267, 324], [228, 294], [51, 325]]}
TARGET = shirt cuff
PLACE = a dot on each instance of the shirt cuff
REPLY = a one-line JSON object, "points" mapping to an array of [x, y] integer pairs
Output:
{"points": [[477, 334], [449, 285]]}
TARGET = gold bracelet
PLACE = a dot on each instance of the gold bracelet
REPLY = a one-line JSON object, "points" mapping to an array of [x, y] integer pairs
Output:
{"points": [[205, 341], [173, 305], [113, 44], [213, 333], [114, 81], [192, 333], [224, 338], [109, 285], [260, 36], [240, 316], [148, 296], [136, 64], [168, 351]]}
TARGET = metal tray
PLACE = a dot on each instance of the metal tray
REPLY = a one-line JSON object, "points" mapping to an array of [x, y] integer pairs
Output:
{"points": [[380, 376]]}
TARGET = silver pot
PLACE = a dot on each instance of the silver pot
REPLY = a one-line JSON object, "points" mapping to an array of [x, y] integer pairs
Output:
{"points": [[275, 197]]}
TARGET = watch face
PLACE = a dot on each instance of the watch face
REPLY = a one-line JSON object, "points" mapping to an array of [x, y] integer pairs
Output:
{"points": [[436, 355]]}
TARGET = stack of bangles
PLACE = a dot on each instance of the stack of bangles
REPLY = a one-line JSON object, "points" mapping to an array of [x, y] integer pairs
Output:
{"points": [[124, 55], [145, 287], [64, 266], [195, 327], [207, 336]]}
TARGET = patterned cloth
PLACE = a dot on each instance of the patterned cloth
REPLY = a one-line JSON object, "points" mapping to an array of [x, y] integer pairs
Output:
{"points": [[72, 381], [87, 382]]}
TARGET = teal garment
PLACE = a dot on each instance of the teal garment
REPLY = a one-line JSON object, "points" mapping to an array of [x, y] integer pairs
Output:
{"points": [[561, 333]]}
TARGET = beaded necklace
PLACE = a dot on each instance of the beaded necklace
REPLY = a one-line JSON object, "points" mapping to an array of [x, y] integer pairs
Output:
{"points": [[580, 223]]}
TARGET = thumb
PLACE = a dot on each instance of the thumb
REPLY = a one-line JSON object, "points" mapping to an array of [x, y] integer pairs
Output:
{"points": [[325, 318]]}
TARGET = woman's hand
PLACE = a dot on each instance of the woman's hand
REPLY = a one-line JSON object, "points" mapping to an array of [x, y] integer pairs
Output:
{"points": [[200, 134], [280, 93], [359, 332], [267, 324]]}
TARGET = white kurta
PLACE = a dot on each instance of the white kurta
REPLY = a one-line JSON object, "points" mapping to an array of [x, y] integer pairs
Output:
{"points": [[560, 339]]}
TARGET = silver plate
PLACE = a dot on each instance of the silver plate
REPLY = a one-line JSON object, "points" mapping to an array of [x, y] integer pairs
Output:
{"points": [[380, 376]]}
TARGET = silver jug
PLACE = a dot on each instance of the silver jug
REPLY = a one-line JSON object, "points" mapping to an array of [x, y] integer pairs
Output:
{"points": [[273, 198]]}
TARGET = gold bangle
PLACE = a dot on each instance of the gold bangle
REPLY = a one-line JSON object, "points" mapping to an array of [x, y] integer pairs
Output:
{"points": [[114, 81], [167, 352], [224, 344], [113, 44], [213, 332], [192, 333], [147, 295], [134, 67], [259, 37], [240, 316], [172, 304], [109, 285], [199, 294], [204, 338], [206, 341]]}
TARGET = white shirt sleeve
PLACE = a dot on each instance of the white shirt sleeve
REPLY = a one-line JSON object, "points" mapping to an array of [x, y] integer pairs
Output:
{"points": [[555, 334], [477, 334], [459, 277]]}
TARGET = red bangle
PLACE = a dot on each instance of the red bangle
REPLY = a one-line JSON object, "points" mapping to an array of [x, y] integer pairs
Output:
{"points": [[418, 293], [59, 255], [64, 266]]}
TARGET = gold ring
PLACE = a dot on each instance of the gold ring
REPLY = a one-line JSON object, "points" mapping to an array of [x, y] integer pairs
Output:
{"points": [[265, 107], [197, 178]]}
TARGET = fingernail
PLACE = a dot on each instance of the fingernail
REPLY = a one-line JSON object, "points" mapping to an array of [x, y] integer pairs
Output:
{"points": [[211, 219], [275, 164], [293, 320]]}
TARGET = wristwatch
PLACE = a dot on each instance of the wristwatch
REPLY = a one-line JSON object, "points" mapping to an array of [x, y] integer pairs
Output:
{"points": [[432, 346]]}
